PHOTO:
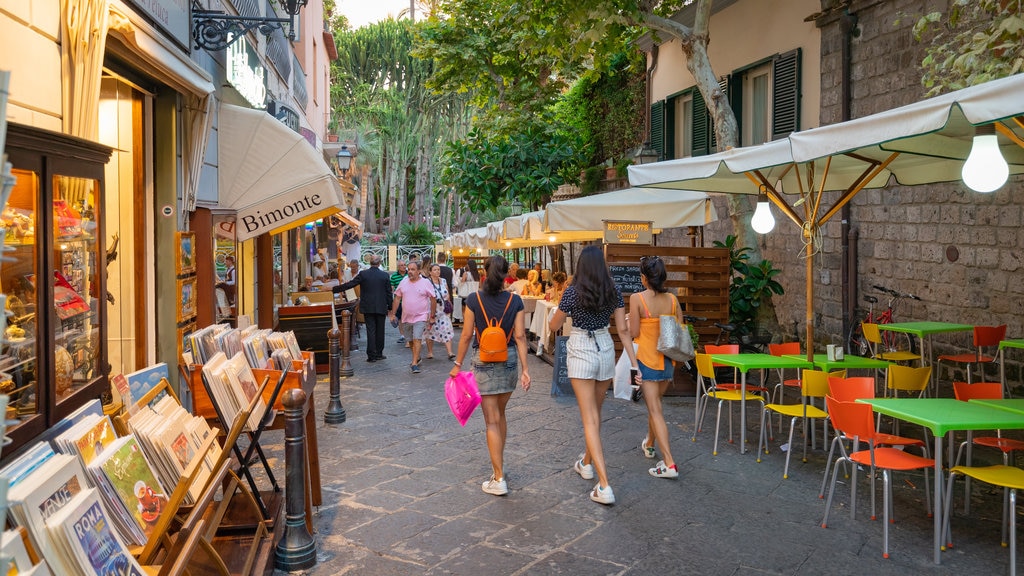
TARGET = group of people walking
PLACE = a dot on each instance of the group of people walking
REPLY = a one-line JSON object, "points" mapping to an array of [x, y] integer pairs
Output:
{"points": [[423, 306]]}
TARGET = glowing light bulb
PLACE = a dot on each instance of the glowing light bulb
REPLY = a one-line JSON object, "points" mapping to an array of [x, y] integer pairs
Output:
{"points": [[985, 169], [508, 244], [551, 238], [762, 222]]}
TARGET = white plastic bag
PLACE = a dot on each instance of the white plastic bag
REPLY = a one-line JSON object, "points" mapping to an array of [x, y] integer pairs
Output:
{"points": [[623, 387]]}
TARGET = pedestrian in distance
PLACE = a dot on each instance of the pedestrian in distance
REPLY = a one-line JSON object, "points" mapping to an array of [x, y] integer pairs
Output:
{"points": [[374, 302], [496, 380], [442, 330], [415, 297], [655, 369], [400, 272], [469, 283], [592, 300]]}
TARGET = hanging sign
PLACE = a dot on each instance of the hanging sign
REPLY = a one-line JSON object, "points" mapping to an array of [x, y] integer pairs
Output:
{"points": [[627, 232]]}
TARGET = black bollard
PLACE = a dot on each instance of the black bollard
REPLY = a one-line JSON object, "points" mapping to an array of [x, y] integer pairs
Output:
{"points": [[346, 338], [335, 413], [297, 548]]}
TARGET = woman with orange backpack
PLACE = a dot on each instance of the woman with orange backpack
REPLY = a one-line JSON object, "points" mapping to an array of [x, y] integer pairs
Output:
{"points": [[496, 316]]}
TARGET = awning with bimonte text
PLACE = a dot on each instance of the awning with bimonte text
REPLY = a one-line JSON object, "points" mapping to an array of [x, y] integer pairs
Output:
{"points": [[270, 175]]}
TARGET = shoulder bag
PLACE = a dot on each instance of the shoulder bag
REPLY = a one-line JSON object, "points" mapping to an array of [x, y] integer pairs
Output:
{"points": [[674, 338]]}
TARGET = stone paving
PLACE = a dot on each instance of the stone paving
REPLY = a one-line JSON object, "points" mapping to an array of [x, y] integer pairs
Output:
{"points": [[401, 487]]}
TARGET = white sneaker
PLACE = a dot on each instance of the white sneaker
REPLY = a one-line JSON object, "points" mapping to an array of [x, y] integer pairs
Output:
{"points": [[586, 471], [602, 495], [662, 471], [495, 487]]}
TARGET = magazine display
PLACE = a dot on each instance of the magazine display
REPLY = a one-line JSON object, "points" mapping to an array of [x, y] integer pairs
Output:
{"points": [[127, 480], [233, 386], [87, 438], [43, 493], [84, 533]]}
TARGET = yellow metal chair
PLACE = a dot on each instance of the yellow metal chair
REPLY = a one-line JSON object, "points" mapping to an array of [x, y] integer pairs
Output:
{"points": [[1011, 479], [813, 384], [874, 337], [707, 391]]}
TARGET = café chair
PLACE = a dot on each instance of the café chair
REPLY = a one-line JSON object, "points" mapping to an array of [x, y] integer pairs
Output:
{"points": [[735, 384], [984, 337], [1008, 446], [814, 384], [1010, 479], [856, 421], [782, 349], [708, 390], [850, 390], [874, 337]]}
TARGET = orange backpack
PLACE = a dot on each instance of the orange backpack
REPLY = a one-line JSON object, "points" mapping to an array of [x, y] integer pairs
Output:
{"points": [[493, 340]]}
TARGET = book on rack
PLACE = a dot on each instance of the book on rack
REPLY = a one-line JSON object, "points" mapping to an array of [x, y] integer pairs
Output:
{"points": [[204, 344], [87, 438], [255, 346], [43, 493], [126, 478], [85, 534], [23, 465], [142, 381]]}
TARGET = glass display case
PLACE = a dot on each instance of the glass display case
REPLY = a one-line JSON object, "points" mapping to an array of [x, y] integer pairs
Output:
{"points": [[52, 278]]}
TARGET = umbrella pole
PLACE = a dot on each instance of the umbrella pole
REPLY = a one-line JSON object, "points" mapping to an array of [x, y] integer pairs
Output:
{"points": [[810, 297]]}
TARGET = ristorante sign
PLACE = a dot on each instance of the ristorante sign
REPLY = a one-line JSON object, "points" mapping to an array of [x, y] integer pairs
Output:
{"points": [[627, 232]]}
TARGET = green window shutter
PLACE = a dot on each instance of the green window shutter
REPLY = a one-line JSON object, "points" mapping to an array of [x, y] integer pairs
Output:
{"points": [[658, 127], [670, 130], [786, 94], [701, 123]]}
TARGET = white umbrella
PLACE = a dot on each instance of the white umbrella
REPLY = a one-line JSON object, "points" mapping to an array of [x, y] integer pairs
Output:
{"points": [[585, 216]]}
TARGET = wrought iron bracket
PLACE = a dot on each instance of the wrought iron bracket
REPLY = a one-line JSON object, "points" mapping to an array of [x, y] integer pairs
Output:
{"points": [[216, 30]]}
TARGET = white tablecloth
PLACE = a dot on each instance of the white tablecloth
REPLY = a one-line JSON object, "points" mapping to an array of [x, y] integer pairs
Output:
{"points": [[541, 319]]}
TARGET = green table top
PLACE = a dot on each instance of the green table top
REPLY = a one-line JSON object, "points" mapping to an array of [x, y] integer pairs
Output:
{"points": [[941, 415], [1015, 405], [922, 329], [747, 362], [822, 362], [1012, 343]]}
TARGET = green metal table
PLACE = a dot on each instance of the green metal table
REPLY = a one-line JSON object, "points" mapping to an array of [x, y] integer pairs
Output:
{"points": [[821, 362], [1015, 405], [943, 415], [1003, 345], [924, 332], [746, 362]]}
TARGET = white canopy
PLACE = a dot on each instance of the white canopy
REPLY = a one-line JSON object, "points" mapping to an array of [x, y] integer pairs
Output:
{"points": [[270, 175], [663, 208]]}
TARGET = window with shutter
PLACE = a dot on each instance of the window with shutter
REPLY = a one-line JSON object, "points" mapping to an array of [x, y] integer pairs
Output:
{"points": [[658, 127], [786, 94], [701, 123]]}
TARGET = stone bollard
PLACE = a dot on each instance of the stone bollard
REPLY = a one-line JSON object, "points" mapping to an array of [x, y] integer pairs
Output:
{"points": [[297, 549], [335, 413], [346, 339]]}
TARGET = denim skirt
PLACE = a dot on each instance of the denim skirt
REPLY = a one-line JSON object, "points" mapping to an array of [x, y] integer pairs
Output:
{"points": [[497, 377]]}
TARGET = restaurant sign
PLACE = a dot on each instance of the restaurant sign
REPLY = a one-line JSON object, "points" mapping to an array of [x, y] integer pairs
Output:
{"points": [[627, 232], [245, 72]]}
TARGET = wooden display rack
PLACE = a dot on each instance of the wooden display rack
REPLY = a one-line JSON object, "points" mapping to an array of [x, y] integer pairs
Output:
{"points": [[302, 376]]}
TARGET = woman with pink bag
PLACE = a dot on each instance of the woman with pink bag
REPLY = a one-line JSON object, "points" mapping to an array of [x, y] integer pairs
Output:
{"points": [[496, 380]]}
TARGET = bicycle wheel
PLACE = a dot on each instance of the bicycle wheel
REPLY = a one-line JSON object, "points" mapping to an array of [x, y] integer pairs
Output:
{"points": [[858, 345], [899, 342]]}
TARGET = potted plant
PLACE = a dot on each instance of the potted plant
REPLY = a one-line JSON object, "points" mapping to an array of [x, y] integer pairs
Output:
{"points": [[622, 167], [751, 285]]}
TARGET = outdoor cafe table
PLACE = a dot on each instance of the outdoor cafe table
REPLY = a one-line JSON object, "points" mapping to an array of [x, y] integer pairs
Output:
{"points": [[747, 362], [1003, 345], [924, 331], [943, 415], [821, 362]]}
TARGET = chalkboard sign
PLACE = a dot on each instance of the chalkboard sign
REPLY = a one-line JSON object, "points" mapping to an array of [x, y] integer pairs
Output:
{"points": [[560, 385], [626, 277]]}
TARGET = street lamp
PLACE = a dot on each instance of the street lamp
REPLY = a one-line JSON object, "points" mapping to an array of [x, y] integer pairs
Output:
{"points": [[517, 207], [645, 154], [344, 160], [216, 30]]}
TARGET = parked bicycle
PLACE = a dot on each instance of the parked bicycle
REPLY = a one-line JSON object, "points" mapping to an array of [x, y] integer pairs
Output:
{"points": [[749, 343], [857, 344]]}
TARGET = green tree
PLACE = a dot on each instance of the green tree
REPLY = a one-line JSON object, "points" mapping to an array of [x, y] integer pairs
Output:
{"points": [[974, 42]]}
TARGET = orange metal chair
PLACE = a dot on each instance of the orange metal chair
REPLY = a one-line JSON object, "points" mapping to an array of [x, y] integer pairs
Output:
{"points": [[1011, 479], [814, 384], [708, 390], [874, 337], [856, 420], [784, 349], [990, 391], [850, 390], [984, 337]]}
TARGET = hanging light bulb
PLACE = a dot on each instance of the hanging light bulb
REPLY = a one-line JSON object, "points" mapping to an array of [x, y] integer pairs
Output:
{"points": [[985, 169], [762, 222], [551, 238]]}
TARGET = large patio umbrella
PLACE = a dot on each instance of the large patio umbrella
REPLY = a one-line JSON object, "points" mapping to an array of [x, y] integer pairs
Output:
{"points": [[920, 143], [585, 216]]}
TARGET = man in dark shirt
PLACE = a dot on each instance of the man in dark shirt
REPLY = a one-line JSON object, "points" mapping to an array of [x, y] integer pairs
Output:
{"points": [[375, 300]]}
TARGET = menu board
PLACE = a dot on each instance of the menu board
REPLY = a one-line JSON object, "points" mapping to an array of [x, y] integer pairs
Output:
{"points": [[560, 385], [626, 277]]}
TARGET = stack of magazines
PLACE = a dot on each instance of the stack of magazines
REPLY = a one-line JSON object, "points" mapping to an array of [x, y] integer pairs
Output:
{"points": [[233, 386]]}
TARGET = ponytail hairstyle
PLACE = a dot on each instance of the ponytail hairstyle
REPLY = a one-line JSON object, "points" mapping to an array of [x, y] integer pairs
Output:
{"points": [[494, 277], [653, 268]]}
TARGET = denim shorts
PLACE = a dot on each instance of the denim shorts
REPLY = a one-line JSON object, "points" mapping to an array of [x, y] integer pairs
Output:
{"points": [[652, 375], [497, 377]]}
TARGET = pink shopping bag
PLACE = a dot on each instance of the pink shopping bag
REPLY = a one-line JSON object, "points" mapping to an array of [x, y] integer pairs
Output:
{"points": [[463, 395]]}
